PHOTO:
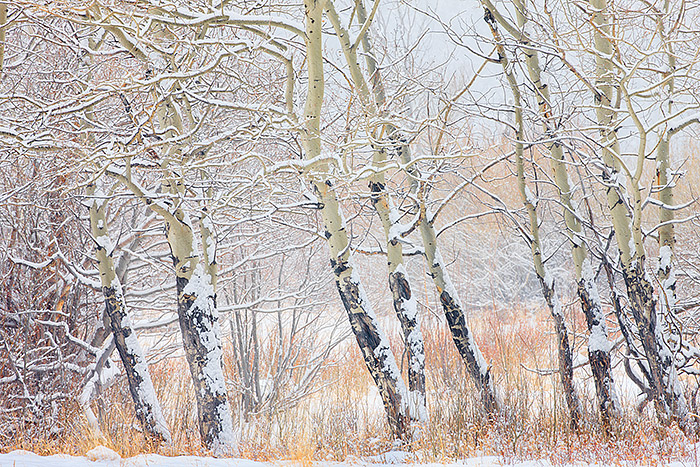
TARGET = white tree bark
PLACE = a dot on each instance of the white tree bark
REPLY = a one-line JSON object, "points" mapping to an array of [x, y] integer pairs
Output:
{"points": [[663, 378], [599, 345], [374, 346], [566, 368], [148, 410], [404, 302]]}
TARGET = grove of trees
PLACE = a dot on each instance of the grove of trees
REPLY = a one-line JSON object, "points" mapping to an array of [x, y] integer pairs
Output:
{"points": [[223, 181]]}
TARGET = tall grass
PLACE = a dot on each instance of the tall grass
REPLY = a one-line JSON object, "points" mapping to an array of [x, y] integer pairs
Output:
{"points": [[344, 420]]}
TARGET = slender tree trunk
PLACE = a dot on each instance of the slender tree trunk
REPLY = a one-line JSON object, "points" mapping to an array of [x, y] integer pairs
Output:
{"points": [[196, 280], [405, 304], [373, 344], [148, 410], [454, 312], [666, 390], [3, 20], [566, 369], [665, 272], [599, 345], [664, 183]]}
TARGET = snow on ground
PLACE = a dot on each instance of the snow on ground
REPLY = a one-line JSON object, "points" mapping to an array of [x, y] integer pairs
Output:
{"points": [[105, 457]]}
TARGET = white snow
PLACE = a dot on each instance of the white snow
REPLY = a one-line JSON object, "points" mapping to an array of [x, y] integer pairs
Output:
{"points": [[146, 391], [393, 458], [449, 287], [210, 246], [529, 197], [108, 373], [665, 255], [102, 453], [201, 288], [598, 340]]}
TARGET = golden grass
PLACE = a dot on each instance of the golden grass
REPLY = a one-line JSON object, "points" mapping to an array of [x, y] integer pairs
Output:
{"points": [[342, 422]]}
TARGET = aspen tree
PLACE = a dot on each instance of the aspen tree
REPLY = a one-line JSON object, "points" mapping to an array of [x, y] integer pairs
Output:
{"points": [[148, 410], [117, 319], [452, 306], [665, 387], [566, 369], [195, 277], [404, 300], [599, 345], [373, 344]]}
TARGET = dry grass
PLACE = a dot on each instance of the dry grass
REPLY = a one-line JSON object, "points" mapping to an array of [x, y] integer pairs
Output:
{"points": [[343, 421]]}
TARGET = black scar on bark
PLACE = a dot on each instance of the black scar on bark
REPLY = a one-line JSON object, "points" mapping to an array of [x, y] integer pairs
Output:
{"points": [[400, 286], [368, 340], [116, 313], [460, 334]]}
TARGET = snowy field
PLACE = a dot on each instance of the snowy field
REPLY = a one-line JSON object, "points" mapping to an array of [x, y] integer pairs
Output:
{"points": [[104, 457]]}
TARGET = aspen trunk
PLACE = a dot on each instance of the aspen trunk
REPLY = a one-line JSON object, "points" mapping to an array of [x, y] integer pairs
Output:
{"points": [[404, 302], [566, 369], [374, 346], [379, 358], [196, 278], [198, 318], [3, 20], [665, 273], [148, 410], [454, 312], [664, 183], [663, 378], [599, 345], [402, 296]]}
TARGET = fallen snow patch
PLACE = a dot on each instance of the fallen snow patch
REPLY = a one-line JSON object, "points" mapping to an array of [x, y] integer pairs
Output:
{"points": [[102, 453], [389, 459]]}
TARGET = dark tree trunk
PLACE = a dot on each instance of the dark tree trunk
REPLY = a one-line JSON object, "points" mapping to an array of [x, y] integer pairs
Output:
{"points": [[147, 409], [464, 342], [401, 292], [566, 367], [599, 359], [375, 351], [202, 344]]}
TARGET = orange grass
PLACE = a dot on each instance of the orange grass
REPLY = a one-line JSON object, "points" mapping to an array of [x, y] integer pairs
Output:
{"points": [[342, 421]]}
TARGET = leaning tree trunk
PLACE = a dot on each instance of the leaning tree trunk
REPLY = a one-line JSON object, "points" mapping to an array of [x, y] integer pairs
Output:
{"points": [[454, 312], [197, 316], [405, 304], [195, 282], [374, 346], [148, 410], [663, 378], [566, 368], [599, 345]]}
